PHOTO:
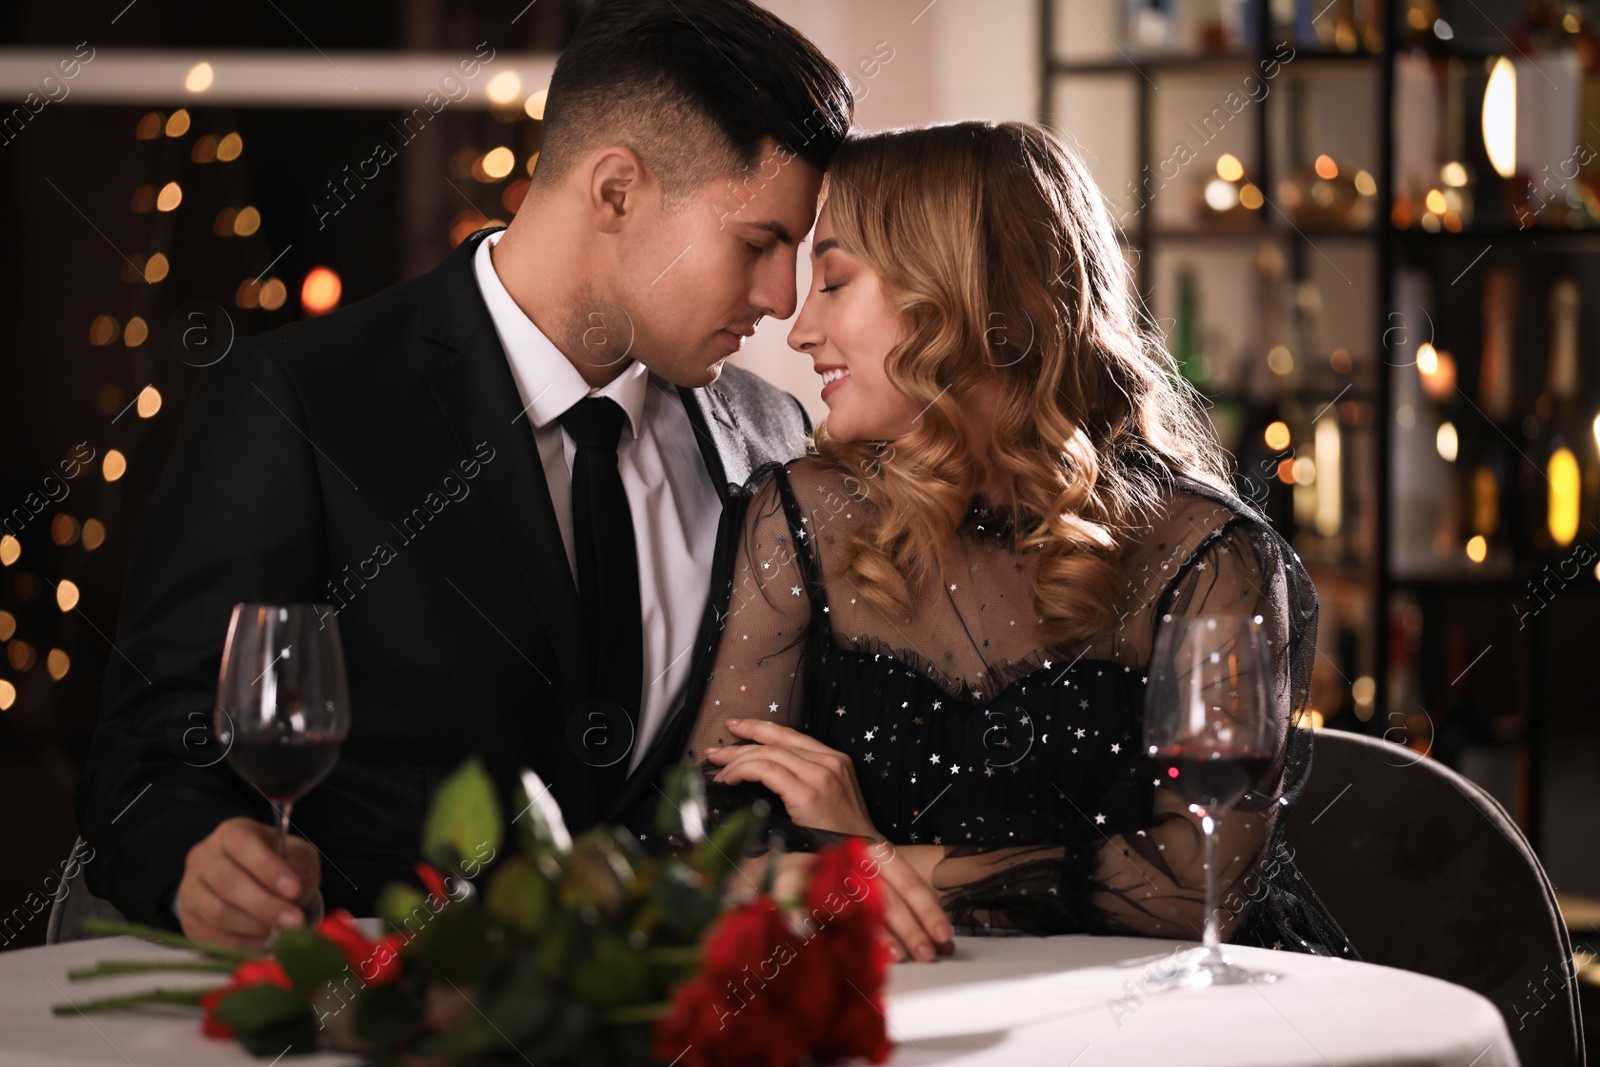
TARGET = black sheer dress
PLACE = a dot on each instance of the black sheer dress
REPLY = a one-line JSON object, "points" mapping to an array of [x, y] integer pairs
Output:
{"points": [[1024, 760]]}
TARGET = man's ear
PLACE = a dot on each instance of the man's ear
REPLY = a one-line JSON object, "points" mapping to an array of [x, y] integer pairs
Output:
{"points": [[619, 187]]}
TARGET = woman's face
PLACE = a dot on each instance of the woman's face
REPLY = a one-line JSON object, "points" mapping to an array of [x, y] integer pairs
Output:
{"points": [[847, 327]]}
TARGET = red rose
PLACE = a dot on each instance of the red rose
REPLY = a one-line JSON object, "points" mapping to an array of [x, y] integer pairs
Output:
{"points": [[434, 882], [741, 1010], [374, 962], [844, 903], [767, 997], [858, 1030], [248, 973]]}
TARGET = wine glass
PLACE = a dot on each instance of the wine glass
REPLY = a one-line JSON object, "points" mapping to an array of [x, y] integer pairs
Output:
{"points": [[283, 707], [1209, 727]]}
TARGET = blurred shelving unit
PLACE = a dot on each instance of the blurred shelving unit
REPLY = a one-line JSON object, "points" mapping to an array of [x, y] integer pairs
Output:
{"points": [[1372, 252]]}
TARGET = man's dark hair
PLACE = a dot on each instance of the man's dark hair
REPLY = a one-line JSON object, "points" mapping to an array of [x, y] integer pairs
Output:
{"points": [[694, 87]]}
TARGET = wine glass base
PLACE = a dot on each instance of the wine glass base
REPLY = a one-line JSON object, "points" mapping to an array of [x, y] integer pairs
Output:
{"points": [[1200, 969]]}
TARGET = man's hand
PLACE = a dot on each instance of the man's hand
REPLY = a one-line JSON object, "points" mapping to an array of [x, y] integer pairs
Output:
{"points": [[236, 891]]}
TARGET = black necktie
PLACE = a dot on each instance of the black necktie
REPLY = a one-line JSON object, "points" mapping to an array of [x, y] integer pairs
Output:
{"points": [[606, 726]]}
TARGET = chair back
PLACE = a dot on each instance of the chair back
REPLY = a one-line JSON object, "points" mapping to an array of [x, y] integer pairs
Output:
{"points": [[74, 904], [1426, 872]]}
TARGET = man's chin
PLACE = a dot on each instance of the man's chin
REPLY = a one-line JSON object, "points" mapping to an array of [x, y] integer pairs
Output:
{"points": [[709, 375]]}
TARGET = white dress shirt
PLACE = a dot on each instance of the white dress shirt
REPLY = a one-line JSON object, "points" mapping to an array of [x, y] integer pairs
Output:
{"points": [[675, 506]]}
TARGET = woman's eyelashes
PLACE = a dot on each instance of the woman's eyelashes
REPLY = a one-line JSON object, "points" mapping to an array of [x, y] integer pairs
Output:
{"points": [[830, 288]]}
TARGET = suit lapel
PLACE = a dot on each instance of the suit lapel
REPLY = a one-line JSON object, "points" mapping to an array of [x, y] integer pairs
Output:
{"points": [[471, 380], [470, 377]]}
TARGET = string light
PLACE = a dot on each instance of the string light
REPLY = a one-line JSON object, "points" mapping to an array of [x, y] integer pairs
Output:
{"points": [[199, 78], [319, 293]]}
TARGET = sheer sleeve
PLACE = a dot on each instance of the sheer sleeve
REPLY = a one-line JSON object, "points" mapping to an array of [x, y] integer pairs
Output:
{"points": [[759, 667], [1146, 875]]}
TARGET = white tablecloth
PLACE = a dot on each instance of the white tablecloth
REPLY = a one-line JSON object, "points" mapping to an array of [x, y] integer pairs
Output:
{"points": [[1063, 1001]]}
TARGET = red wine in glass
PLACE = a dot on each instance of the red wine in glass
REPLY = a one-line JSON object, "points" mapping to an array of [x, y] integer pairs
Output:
{"points": [[284, 769], [283, 704], [1211, 778], [1210, 728]]}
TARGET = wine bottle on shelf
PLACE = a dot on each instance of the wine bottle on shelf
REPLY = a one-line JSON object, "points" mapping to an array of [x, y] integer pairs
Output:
{"points": [[1424, 76], [1557, 63], [1149, 26], [1492, 533], [1554, 501], [1426, 487], [1186, 348], [1267, 440], [1338, 26]]}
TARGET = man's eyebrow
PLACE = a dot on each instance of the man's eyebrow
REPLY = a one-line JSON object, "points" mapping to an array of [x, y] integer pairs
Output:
{"points": [[777, 229], [827, 244]]}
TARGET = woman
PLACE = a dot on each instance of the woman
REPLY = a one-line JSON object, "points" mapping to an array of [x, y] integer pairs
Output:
{"points": [[942, 618]]}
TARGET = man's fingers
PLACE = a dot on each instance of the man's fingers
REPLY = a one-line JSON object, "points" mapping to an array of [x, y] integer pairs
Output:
{"points": [[208, 917], [236, 888], [307, 864], [245, 844]]}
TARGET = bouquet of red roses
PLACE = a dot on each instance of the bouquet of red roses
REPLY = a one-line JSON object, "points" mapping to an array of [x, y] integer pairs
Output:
{"points": [[585, 951]]}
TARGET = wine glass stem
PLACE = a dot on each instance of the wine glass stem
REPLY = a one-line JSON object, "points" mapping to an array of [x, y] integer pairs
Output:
{"points": [[1212, 939], [283, 828]]}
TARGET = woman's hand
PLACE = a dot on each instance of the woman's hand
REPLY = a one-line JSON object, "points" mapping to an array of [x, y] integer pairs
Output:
{"points": [[914, 924], [817, 784]]}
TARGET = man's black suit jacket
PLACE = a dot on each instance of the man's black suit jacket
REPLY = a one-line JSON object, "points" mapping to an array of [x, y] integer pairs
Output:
{"points": [[376, 459]]}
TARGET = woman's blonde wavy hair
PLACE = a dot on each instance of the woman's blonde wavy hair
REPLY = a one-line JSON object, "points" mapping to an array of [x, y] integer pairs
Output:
{"points": [[994, 244]]}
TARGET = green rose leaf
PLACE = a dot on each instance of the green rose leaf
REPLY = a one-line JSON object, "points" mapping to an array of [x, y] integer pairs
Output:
{"points": [[684, 903], [520, 894], [309, 959], [399, 904], [521, 1007], [268, 1018], [613, 974], [464, 817], [385, 1014], [456, 946], [683, 807], [717, 857]]}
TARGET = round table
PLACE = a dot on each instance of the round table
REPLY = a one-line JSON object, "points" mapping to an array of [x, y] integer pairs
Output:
{"points": [[1064, 1001]]}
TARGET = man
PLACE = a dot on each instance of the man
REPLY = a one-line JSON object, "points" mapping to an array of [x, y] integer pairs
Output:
{"points": [[513, 481]]}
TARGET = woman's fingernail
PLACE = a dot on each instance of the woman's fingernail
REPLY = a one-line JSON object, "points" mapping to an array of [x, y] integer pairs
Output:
{"points": [[942, 932], [734, 722], [287, 886], [897, 952], [288, 917], [924, 951], [713, 748]]}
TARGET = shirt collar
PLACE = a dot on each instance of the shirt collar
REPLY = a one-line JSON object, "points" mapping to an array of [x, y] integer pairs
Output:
{"points": [[548, 381]]}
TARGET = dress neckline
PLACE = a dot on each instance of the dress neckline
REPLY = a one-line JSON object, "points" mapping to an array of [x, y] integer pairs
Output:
{"points": [[987, 522], [996, 682]]}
